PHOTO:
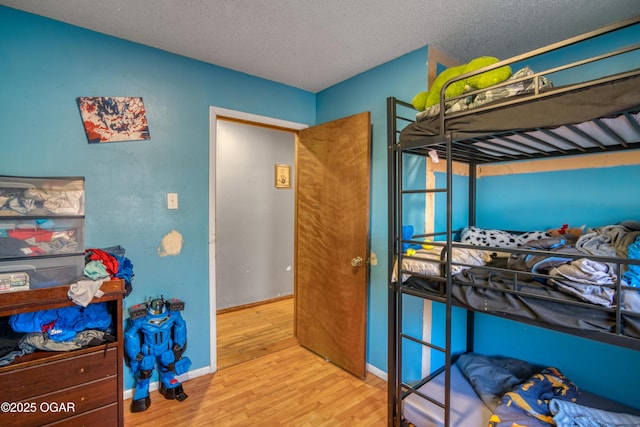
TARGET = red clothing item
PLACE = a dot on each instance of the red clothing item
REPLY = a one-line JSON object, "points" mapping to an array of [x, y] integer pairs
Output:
{"points": [[26, 233], [109, 261]]}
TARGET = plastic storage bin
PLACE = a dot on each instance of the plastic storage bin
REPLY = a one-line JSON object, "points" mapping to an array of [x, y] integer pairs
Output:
{"points": [[41, 232], [23, 196], [40, 237]]}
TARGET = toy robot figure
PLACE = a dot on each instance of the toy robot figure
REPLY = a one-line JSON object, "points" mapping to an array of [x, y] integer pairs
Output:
{"points": [[156, 333]]}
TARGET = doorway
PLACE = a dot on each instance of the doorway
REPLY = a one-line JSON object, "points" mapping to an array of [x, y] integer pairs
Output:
{"points": [[245, 281]]}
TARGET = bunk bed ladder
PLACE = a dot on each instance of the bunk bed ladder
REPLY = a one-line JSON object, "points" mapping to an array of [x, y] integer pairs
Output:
{"points": [[397, 389], [393, 396]]}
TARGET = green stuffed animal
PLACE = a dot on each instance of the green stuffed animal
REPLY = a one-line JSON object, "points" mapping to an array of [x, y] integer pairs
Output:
{"points": [[425, 100]]}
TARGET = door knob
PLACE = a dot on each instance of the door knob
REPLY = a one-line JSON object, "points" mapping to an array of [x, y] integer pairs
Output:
{"points": [[356, 262]]}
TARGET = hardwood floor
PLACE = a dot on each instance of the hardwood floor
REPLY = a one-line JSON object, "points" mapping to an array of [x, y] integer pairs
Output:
{"points": [[254, 332], [281, 384]]}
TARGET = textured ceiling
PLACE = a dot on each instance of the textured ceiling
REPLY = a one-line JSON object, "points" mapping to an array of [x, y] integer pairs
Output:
{"points": [[313, 44]]}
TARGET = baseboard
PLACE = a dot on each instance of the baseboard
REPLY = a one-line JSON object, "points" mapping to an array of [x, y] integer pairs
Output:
{"points": [[253, 304], [128, 394], [377, 372]]}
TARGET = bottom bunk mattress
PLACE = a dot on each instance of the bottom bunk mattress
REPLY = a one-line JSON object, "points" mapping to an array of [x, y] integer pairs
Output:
{"points": [[474, 404], [466, 407]]}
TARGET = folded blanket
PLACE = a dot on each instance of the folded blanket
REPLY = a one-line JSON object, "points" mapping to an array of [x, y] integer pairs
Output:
{"points": [[569, 414]]}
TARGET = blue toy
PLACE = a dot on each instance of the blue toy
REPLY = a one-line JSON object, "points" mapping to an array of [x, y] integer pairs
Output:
{"points": [[156, 333], [407, 234]]}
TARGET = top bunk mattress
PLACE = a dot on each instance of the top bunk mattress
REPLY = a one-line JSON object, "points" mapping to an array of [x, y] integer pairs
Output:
{"points": [[529, 112]]}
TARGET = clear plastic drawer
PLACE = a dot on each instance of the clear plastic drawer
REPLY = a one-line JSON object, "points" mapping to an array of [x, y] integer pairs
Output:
{"points": [[23, 196], [45, 272], [41, 237]]}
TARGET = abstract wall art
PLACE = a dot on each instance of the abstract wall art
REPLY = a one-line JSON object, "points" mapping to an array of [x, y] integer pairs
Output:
{"points": [[113, 119]]}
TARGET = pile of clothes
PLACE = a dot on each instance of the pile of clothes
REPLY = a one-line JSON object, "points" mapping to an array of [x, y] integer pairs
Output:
{"points": [[59, 329], [83, 324]]}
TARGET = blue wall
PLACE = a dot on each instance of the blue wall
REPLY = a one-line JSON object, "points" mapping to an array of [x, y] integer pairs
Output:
{"points": [[547, 200], [46, 64]]}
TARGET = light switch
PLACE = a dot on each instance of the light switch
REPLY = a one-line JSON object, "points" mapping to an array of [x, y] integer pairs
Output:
{"points": [[172, 200]]}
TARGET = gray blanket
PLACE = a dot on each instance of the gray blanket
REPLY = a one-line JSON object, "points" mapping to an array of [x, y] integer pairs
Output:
{"points": [[609, 241], [583, 278]]}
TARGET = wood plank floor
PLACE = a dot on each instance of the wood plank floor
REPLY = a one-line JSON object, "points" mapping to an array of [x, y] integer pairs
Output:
{"points": [[254, 332], [284, 386]]}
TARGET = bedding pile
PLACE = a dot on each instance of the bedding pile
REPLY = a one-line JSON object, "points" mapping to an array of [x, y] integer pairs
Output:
{"points": [[559, 285], [583, 278], [509, 89], [520, 393]]}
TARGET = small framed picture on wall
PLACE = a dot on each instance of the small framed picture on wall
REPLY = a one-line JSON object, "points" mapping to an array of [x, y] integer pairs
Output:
{"points": [[283, 176]]}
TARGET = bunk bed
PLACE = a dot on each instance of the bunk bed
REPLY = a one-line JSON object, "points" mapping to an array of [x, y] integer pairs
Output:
{"points": [[527, 282]]}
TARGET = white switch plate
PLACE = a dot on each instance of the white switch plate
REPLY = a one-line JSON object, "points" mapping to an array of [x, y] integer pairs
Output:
{"points": [[172, 200]]}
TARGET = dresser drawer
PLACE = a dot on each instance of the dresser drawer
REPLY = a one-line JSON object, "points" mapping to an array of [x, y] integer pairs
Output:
{"points": [[20, 384], [107, 416], [61, 404]]}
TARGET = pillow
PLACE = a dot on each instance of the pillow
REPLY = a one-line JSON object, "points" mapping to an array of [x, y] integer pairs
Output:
{"points": [[493, 376], [499, 238]]}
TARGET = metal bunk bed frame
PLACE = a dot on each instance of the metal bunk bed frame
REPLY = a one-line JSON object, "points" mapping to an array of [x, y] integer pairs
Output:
{"points": [[453, 146]]}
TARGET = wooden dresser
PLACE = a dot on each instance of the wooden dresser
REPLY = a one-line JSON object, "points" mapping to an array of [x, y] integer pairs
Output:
{"points": [[74, 388]]}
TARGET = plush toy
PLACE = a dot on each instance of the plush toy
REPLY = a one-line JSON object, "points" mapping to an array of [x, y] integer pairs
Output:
{"points": [[425, 100], [565, 230], [426, 244], [407, 234]]}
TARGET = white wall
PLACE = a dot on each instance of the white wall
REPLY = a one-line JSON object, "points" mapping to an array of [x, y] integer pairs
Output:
{"points": [[254, 220]]}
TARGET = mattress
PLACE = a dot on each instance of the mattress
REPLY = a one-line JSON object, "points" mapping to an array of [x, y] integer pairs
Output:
{"points": [[468, 410], [554, 108], [466, 407]]}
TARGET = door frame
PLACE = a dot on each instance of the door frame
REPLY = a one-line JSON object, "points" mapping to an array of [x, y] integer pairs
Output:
{"points": [[214, 113]]}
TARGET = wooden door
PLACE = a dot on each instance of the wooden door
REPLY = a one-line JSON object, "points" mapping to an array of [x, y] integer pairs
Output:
{"points": [[332, 240]]}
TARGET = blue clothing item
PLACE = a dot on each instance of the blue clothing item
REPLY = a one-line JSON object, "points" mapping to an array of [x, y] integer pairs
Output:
{"points": [[61, 324], [632, 275], [125, 268], [35, 321], [125, 272], [47, 224]]}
